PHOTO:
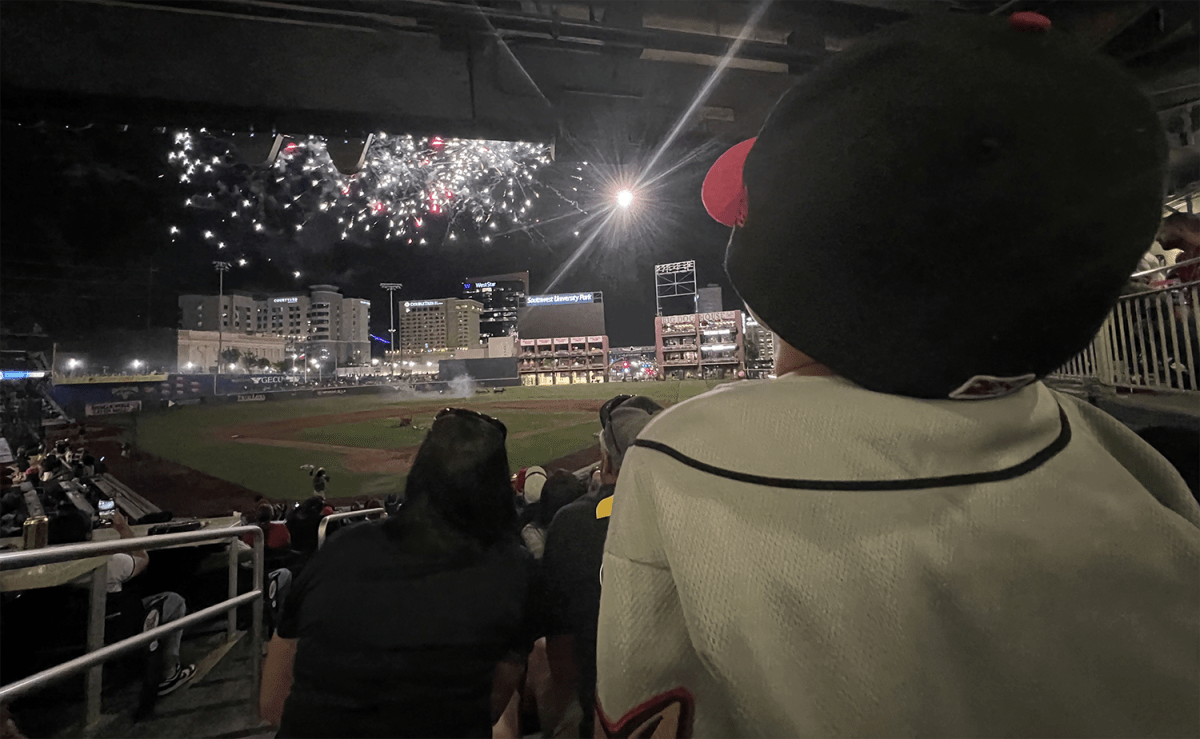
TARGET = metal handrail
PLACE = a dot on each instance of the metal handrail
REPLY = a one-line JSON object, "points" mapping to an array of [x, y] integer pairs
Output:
{"points": [[1166, 267], [97, 654], [341, 517]]}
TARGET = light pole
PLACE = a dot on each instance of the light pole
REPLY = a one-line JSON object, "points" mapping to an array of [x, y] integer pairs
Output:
{"points": [[391, 287], [222, 268]]}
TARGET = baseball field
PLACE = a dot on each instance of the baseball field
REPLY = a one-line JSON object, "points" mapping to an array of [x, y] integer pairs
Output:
{"points": [[367, 442]]}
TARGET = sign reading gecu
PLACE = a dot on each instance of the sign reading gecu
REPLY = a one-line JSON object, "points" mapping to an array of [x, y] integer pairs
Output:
{"points": [[108, 409]]}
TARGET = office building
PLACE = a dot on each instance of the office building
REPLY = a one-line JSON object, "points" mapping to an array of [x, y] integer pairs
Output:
{"points": [[320, 323], [706, 346], [760, 350], [428, 326], [708, 299], [502, 297]]}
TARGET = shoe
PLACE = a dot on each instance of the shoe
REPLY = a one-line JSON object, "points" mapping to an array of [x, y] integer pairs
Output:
{"points": [[182, 674]]}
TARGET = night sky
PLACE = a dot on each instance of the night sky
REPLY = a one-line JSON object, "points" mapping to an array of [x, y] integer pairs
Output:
{"points": [[86, 214]]}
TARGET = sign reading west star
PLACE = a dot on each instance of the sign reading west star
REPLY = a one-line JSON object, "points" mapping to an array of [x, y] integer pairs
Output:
{"points": [[561, 299]]}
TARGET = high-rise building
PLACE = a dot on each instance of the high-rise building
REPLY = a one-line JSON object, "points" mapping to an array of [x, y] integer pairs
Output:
{"points": [[708, 299], [502, 296], [321, 322], [437, 325], [760, 350]]}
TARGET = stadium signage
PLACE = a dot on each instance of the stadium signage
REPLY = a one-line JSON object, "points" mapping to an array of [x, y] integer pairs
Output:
{"points": [[267, 379], [422, 303], [561, 299], [467, 285], [184, 401], [251, 398], [331, 392], [287, 300], [109, 409], [21, 375], [596, 339]]}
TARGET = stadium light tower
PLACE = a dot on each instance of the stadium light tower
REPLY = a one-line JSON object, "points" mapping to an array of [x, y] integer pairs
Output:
{"points": [[391, 287], [222, 268]]}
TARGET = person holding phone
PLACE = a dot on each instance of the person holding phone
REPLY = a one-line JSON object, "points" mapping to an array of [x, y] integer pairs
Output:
{"points": [[125, 566]]}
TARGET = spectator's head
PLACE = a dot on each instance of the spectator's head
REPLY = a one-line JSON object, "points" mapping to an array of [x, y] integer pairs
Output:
{"points": [[1178, 445], [982, 131], [312, 506], [535, 480], [621, 419], [561, 488], [266, 512], [459, 480]]}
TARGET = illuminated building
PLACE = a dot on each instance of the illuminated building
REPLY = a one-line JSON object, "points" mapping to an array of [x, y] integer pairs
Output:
{"points": [[705, 346], [502, 297], [438, 325]]}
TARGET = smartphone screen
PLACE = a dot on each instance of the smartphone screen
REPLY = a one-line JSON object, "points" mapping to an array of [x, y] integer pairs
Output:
{"points": [[107, 508]]}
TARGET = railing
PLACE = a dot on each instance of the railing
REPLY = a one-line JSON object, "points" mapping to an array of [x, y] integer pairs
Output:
{"points": [[345, 516], [97, 653], [1149, 341]]}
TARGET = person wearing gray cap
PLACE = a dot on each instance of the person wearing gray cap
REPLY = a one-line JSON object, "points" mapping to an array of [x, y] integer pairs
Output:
{"points": [[571, 563]]}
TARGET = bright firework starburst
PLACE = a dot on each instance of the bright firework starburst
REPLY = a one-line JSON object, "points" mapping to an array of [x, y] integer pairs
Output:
{"points": [[404, 183]]}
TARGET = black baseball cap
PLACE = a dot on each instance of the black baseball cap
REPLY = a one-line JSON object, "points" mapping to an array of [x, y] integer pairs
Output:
{"points": [[947, 210]]}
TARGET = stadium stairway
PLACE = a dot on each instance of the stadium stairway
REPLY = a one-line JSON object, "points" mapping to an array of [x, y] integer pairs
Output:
{"points": [[220, 702]]}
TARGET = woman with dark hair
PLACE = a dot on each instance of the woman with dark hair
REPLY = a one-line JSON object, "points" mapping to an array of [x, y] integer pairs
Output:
{"points": [[414, 625]]}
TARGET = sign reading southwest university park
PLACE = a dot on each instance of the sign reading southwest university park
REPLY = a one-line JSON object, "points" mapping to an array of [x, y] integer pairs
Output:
{"points": [[560, 299]]}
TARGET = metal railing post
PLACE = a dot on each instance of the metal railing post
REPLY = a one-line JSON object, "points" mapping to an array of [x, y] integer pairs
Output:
{"points": [[97, 601], [231, 617], [256, 637]]}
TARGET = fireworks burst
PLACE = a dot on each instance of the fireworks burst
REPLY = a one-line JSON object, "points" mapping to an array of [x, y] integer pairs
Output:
{"points": [[405, 184]]}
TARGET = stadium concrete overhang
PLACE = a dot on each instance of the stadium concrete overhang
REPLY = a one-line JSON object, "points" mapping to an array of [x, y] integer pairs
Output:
{"points": [[601, 75]]}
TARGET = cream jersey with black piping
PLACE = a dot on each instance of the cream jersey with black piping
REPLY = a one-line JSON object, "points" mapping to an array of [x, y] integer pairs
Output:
{"points": [[804, 557]]}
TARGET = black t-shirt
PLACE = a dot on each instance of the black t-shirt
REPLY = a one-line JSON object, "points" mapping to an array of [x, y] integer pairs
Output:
{"points": [[570, 597], [395, 644]]}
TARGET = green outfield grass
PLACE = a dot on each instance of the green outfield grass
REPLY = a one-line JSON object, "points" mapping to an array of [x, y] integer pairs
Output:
{"points": [[193, 435]]}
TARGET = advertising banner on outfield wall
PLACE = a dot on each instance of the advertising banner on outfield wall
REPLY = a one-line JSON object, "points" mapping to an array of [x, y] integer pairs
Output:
{"points": [[109, 409], [251, 398]]}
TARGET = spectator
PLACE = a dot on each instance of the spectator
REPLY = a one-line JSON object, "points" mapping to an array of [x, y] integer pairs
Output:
{"points": [[906, 533], [571, 565], [402, 627], [275, 533], [125, 567], [303, 523], [562, 488]]}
